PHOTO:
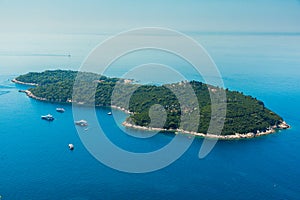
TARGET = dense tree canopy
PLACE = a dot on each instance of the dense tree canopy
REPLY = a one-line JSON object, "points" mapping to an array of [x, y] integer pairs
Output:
{"points": [[244, 113]]}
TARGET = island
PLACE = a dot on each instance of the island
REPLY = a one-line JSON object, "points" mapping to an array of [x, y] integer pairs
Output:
{"points": [[246, 116]]}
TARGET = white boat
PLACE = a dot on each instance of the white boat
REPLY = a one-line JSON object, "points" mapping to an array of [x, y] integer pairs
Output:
{"points": [[71, 147], [47, 117], [81, 123], [61, 110], [109, 113]]}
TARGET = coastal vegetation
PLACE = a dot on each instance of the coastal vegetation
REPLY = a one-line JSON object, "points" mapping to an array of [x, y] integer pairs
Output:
{"points": [[244, 114]]}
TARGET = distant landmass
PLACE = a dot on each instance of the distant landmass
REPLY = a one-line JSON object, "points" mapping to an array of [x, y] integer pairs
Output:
{"points": [[246, 117]]}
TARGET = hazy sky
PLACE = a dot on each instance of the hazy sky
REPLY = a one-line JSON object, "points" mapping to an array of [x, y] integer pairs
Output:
{"points": [[32, 31], [96, 16]]}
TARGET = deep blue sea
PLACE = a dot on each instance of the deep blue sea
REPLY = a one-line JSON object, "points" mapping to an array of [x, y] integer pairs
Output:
{"points": [[36, 163]]}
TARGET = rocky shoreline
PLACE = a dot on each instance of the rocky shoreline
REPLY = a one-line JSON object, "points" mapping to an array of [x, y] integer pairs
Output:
{"points": [[236, 136], [122, 109], [29, 94], [23, 83]]}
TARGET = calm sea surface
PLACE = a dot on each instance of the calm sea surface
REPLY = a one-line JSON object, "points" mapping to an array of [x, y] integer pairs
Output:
{"points": [[37, 164]]}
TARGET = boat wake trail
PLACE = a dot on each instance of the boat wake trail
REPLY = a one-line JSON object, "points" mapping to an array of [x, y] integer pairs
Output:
{"points": [[35, 54]]}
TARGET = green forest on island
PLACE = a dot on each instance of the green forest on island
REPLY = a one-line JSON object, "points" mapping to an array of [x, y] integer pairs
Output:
{"points": [[244, 113]]}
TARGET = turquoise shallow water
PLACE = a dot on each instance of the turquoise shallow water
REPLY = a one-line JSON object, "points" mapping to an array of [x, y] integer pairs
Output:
{"points": [[36, 162]]}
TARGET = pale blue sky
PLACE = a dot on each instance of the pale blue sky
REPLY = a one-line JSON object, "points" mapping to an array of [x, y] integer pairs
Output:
{"points": [[96, 16], [33, 28]]}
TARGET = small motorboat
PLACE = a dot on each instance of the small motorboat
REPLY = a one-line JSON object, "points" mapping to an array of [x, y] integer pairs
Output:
{"points": [[71, 147], [47, 117], [109, 113], [81, 123], [61, 110]]}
